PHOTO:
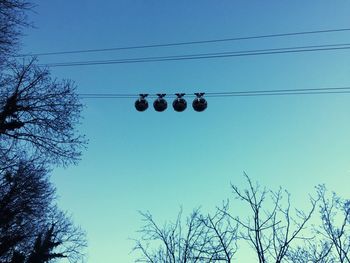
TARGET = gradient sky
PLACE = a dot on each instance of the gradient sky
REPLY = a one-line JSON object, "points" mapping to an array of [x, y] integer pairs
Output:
{"points": [[160, 161]]}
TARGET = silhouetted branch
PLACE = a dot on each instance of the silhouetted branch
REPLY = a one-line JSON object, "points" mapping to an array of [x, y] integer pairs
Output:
{"points": [[335, 216], [12, 19], [200, 239], [27, 213], [270, 231], [38, 115]]}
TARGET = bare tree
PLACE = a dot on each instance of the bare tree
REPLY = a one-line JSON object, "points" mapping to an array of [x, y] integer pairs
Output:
{"points": [[276, 232], [38, 115], [171, 243], [334, 229], [271, 228], [13, 17], [223, 236], [27, 214], [331, 240], [312, 251], [25, 196], [38, 118], [202, 239], [58, 239]]}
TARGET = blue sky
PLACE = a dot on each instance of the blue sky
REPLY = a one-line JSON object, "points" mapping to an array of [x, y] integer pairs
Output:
{"points": [[160, 161]]}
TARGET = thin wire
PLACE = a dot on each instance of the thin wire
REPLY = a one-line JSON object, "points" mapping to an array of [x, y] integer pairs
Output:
{"points": [[221, 53], [202, 56], [273, 91], [335, 90], [283, 93], [186, 42], [242, 95]]}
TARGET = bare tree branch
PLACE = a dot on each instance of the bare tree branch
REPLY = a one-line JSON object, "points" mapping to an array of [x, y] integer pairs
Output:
{"points": [[38, 115]]}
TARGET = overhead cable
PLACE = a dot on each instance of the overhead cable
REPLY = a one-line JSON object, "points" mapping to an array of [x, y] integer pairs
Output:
{"points": [[271, 51], [183, 43], [306, 91]]}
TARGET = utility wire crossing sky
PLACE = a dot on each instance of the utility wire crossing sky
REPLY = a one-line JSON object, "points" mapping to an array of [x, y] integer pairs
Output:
{"points": [[273, 51], [188, 42], [308, 91]]}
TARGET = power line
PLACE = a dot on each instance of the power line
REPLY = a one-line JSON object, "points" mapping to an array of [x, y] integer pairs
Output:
{"points": [[283, 94], [187, 42], [228, 93], [279, 92], [273, 51], [246, 95]]}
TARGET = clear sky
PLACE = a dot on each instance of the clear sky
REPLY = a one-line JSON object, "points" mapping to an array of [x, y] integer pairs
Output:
{"points": [[160, 161]]}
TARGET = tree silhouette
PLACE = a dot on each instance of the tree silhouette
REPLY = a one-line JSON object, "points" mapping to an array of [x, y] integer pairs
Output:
{"points": [[25, 195], [274, 230], [271, 227], [200, 239], [223, 235], [26, 209], [38, 115], [38, 118], [43, 246], [331, 240], [12, 19], [335, 227]]}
